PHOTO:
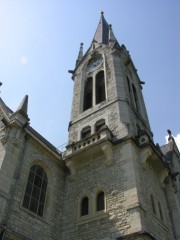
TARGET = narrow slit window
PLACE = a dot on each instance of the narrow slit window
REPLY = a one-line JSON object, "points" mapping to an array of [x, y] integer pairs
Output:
{"points": [[160, 211], [84, 206], [100, 87], [88, 94], [153, 204], [35, 193], [135, 97], [129, 90], [100, 201]]}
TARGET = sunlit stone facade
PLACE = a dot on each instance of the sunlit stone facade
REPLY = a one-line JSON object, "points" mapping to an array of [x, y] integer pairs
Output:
{"points": [[112, 182]]}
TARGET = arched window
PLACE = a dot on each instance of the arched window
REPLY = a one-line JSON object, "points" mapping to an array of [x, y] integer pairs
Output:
{"points": [[86, 132], [34, 198], [100, 87], [85, 206], [100, 124], [88, 94], [100, 204]]}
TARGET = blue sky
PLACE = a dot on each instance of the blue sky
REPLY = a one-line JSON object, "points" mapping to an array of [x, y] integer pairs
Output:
{"points": [[40, 41]]}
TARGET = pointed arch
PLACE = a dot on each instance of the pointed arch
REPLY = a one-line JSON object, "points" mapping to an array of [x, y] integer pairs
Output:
{"points": [[100, 87]]}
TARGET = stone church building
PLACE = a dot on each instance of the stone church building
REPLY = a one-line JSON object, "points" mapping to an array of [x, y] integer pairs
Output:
{"points": [[112, 182]]}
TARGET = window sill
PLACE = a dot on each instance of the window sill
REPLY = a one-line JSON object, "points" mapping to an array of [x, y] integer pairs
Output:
{"points": [[90, 218], [33, 215]]}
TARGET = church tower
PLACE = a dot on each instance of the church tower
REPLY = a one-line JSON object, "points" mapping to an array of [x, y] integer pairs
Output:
{"points": [[115, 186], [107, 90]]}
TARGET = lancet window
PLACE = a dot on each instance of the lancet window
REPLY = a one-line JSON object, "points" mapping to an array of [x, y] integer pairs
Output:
{"points": [[94, 90]]}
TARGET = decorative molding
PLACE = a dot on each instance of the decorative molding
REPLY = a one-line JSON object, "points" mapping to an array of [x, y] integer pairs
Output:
{"points": [[4, 139], [72, 169], [108, 153], [16, 142], [145, 154]]}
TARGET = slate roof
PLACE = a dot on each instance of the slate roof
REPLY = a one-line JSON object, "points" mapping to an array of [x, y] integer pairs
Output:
{"points": [[104, 32]]}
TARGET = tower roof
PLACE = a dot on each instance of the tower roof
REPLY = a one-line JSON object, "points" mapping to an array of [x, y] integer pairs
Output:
{"points": [[104, 32]]}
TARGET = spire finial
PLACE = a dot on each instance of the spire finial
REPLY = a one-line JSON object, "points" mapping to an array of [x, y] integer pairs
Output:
{"points": [[169, 132], [170, 135], [111, 34], [80, 55], [102, 13]]}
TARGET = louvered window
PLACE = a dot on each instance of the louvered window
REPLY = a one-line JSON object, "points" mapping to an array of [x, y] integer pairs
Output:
{"points": [[100, 87], [88, 94]]}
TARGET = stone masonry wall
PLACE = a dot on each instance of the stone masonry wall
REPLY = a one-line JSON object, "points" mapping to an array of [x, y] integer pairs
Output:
{"points": [[122, 214], [155, 221], [25, 223]]}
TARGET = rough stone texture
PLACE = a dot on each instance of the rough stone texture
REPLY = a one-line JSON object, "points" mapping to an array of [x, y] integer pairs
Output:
{"points": [[17, 156], [118, 111]]}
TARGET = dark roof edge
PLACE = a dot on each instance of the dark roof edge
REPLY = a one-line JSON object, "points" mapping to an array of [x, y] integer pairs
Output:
{"points": [[37, 135], [136, 234]]}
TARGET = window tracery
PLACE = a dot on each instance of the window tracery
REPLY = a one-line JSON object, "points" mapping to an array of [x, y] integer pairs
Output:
{"points": [[35, 193]]}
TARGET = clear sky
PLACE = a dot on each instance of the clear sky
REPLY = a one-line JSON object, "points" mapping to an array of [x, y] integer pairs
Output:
{"points": [[39, 43]]}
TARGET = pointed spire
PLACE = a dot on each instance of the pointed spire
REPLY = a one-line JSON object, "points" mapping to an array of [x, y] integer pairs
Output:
{"points": [[80, 55], [24, 105], [21, 113], [102, 32], [111, 34]]}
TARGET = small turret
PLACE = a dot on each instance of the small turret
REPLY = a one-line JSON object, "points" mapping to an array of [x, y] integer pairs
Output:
{"points": [[23, 107], [111, 34], [21, 112], [80, 55]]}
